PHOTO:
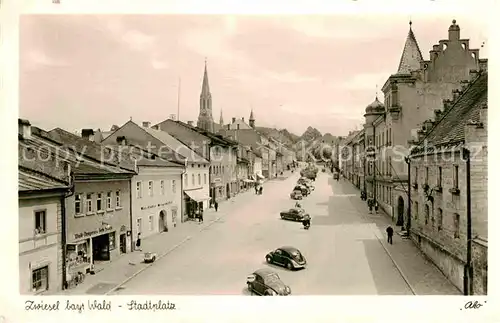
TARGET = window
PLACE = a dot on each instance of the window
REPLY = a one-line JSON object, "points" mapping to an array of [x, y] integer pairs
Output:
{"points": [[150, 223], [222, 169], [40, 279], [118, 201], [139, 225], [439, 219], [162, 187], [427, 175], [185, 180], [205, 179], [440, 176], [78, 203], [174, 186], [112, 241], [99, 202], [192, 179], [199, 179], [427, 214], [150, 188], [89, 203], [455, 176], [40, 222], [138, 190], [416, 210], [456, 219], [108, 200]]}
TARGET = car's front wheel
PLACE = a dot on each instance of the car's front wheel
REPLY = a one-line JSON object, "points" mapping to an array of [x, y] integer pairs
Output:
{"points": [[269, 260]]}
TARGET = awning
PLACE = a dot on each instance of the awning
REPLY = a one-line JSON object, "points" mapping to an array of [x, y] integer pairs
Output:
{"points": [[248, 180], [197, 195], [260, 176]]}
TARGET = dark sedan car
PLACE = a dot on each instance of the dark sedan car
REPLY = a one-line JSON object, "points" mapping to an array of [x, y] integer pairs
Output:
{"points": [[293, 214], [289, 257], [266, 282]]}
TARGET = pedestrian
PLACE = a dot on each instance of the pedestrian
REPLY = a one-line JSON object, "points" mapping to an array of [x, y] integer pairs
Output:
{"points": [[260, 190], [216, 205], [370, 205], [201, 216], [138, 242], [376, 207], [390, 233], [256, 189]]}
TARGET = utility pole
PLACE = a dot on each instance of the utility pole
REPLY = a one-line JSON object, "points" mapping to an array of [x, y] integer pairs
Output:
{"points": [[408, 223], [468, 267]]}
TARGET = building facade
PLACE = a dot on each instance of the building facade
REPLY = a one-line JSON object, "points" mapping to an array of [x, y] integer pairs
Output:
{"points": [[439, 177], [43, 185]]}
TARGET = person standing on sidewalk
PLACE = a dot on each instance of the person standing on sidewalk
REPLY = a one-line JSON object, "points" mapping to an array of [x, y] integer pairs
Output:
{"points": [[216, 206], [390, 233], [201, 215], [376, 207], [370, 205], [138, 242]]}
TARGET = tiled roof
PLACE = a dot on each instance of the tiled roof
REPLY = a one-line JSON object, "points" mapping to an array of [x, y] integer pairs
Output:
{"points": [[176, 145], [29, 180], [411, 56], [450, 129], [247, 137], [217, 138]]}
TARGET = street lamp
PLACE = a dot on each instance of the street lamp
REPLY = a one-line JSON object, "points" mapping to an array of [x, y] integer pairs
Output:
{"points": [[408, 222]]}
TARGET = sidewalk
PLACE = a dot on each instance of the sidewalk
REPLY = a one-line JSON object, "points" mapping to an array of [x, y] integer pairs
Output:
{"points": [[423, 277], [114, 273]]}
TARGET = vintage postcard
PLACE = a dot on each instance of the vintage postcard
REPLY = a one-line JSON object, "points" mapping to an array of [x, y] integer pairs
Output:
{"points": [[173, 154]]}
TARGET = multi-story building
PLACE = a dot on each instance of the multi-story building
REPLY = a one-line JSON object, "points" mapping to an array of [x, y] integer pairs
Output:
{"points": [[347, 155], [449, 187], [176, 160], [216, 149], [44, 182], [410, 96]]}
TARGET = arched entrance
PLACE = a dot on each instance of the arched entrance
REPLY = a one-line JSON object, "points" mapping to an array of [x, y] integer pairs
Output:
{"points": [[401, 210], [228, 191], [162, 221]]}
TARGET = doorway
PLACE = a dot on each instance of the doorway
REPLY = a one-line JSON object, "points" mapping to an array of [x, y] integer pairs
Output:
{"points": [[123, 243], [100, 248], [401, 211], [161, 221], [228, 191]]}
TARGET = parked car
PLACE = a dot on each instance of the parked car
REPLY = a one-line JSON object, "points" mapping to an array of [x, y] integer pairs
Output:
{"points": [[296, 195], [294, 214], [266, 282], [303, 180], [289, 257], [149, 257], [310, 186], [303, 189]]}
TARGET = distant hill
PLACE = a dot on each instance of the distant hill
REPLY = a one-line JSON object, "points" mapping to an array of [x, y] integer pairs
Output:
{"points": [[283, 135]]}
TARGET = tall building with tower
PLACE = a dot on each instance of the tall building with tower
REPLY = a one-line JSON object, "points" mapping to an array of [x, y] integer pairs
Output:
{"points": [[205, 118]]}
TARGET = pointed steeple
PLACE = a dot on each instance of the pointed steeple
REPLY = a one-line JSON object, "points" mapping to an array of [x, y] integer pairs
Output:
{"points": [[205, 88], [411, 56], [251, 121], [205, 119], [221, 120]]}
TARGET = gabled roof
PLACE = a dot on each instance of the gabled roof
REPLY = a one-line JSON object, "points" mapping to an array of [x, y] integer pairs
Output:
{"points": [[411, 56], [450, 129], [30, 180], [218, 139], [179, 147], [247, 137]]}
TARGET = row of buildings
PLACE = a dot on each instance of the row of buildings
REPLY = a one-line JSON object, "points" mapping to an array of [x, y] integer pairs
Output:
{"points": [[84, 198], [422, 155]]}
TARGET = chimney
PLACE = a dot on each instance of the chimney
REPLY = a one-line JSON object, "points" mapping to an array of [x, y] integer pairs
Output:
{"points": [[172, 117], [428, 125], [121, 140], [228, 127], [156, 127], [190, 123], [24, 128], [456, 94], [243, 119], [146, 124], [88, 134], [454, 31], [437, 114], [234, 119]]}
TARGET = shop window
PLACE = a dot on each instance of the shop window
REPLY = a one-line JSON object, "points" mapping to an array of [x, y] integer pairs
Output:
{"points": [[78, 204], [138, 190], [199, 179], [112, 241], [174, 186], [89, 203], [40, 222], [40, 279], [77, 255], [150, 223], [109, 200], [150, 188], [205, 179], [118, 201], [162, 187], [99, 202]]}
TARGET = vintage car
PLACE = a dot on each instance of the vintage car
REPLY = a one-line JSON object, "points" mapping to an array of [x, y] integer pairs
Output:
{"points": [[149, 257], [310, 186], [303, 180], [294, 214], [288, 257], [296, 195], [266, 282], [303, 189]]}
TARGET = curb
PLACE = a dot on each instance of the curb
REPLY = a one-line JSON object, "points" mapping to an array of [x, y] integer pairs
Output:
{"points": [[159, 257]]}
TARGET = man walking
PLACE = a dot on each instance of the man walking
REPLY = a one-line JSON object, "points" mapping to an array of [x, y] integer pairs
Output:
{"points": [[216, 205], [138, 242], [390, 233]]}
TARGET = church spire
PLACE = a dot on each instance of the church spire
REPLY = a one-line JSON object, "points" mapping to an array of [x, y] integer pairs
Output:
{"points": [[251, 120], [205, 88], [221, 120], [205, 118], [411, 56]]}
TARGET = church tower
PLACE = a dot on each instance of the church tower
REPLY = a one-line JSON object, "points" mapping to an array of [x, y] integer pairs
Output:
{"points": [[251, 121], [205, 119], [221, 120]]}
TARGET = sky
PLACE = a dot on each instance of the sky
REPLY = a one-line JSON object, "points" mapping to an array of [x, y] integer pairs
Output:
{"points": [[93, 71]]}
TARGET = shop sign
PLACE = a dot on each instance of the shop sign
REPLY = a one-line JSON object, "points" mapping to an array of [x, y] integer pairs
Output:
{"points": [[155, 205], [87, 234]]}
